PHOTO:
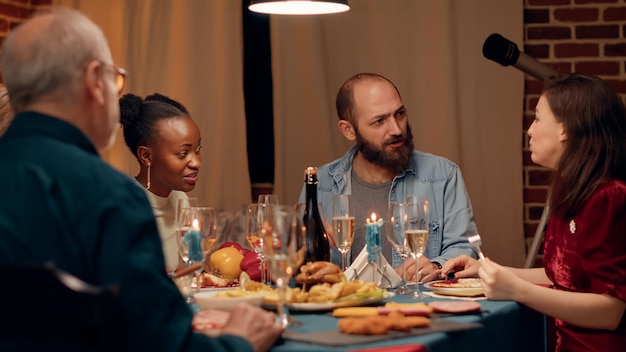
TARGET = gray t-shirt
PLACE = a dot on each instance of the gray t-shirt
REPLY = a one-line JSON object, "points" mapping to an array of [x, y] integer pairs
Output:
{"points": [[367, 199]]}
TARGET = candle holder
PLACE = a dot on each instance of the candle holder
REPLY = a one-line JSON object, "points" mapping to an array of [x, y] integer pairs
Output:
{"points": [[373, 242]]}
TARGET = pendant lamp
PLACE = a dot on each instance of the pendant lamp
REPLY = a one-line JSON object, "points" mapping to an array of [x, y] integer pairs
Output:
{"points": [[298, 7]]}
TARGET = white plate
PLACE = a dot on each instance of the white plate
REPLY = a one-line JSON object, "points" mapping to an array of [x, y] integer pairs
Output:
{"points": [[331, 305], [475, 290]]}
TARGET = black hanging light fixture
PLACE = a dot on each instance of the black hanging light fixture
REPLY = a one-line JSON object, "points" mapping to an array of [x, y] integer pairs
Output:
{"points": [[298, 7]]}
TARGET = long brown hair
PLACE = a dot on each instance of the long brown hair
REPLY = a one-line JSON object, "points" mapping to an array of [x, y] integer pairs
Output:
{"points": [[594, 120]]}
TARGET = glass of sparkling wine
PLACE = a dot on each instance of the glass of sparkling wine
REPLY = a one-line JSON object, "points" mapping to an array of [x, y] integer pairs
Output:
{"points": [[284, 246], [343, 225], [397, 238], [416, 227]]}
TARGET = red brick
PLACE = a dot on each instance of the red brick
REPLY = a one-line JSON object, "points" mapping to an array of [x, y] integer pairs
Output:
{"points": [[598, 67], [619, 85], [534, 213], [614, 14], [596, 1], [576, 50], [529, 229], [536, 16], [576, 14], [595, 32], [547, 2], [4, 25], [528, 161], [533, 86], [615, 49], [535, 195], [539, 177], [548, 33], [539, 51], [528, 120], [15, 11], [562, 67]]}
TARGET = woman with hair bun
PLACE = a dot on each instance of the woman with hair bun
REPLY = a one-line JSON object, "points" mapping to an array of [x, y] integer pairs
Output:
{"points": [[166, 142]]}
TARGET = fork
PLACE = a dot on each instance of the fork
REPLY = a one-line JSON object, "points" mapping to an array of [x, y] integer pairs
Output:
{"points": [[476, 242]]}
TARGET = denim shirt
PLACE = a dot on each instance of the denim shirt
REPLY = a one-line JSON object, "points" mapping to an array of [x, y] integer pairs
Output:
{"points": [[437, 178]]}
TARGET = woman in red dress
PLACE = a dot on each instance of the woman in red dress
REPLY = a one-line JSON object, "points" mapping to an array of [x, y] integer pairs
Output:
{"points": [[579, 131]]}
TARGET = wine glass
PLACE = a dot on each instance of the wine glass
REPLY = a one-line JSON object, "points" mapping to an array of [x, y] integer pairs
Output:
{"points": [[266, 199], [416, 227], [255, 214], [197, 235], [343, 225], [395, 235], [284, 247]]}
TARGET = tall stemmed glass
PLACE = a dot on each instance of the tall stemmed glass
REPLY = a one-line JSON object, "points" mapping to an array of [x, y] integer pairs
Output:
{"points": [[197, 236], [265, 199], [396, 236], [343, 225], [254, 222], [284, 246], [416, 228]]}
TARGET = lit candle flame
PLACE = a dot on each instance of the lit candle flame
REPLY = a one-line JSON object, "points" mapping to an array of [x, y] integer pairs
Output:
{"points": [[195, 224], [373, 217]]}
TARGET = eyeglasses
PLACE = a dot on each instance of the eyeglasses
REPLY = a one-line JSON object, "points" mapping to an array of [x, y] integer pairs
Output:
{"points": [[120, 76]]}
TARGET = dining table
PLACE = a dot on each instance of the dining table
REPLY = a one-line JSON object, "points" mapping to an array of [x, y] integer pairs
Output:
{"points": [[498, 326]]}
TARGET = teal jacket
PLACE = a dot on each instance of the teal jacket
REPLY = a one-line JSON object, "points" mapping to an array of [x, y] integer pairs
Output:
{"points": [[62, 203]]}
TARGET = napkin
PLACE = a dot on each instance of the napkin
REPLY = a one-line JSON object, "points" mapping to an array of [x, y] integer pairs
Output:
{"points": [[361, 269]]}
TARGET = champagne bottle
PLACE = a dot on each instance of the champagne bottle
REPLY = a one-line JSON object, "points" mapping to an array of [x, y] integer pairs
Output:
{"points": [[318, 247]]}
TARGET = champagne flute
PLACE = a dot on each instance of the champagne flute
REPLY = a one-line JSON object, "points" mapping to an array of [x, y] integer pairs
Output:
{"points": [[255, 214], [197, 237], [416, 228], [343, 225], [182, 203], [284, 246], [266, 199], [395, 235]]}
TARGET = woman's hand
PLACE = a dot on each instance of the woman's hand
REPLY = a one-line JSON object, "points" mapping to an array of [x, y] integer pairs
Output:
{"points": [[499, 282]]}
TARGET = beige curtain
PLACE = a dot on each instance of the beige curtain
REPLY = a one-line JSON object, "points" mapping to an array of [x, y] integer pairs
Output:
{"points": [[461, 105], [190, 50]]}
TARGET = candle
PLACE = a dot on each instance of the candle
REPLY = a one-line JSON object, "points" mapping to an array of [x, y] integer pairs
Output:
{"points": [[372, 238], [192, 239]]}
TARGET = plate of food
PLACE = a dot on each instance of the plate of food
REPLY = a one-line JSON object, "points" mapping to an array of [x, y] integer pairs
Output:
{"points": [[341, 303], [323, 286], [469, 287]]}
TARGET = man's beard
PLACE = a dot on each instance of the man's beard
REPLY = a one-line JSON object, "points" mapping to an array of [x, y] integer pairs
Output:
{"points": [[395, 159]]}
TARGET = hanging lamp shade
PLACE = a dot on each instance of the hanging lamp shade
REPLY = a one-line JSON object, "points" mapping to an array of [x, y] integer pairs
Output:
{"points": [[298, 7]]}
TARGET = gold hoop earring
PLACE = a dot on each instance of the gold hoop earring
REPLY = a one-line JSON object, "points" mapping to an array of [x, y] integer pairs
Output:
{"points": [[148, 183]]}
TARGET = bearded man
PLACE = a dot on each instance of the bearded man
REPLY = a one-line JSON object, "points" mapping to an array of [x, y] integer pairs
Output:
{"points": [[383, 168]]}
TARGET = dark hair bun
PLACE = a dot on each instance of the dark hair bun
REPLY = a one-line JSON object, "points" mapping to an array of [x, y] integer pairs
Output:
{"points": [[167, 100], [130, 109]]}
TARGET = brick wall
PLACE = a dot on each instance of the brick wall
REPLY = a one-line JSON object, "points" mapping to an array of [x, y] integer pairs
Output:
{"points": [[13, 12], [582, 36]]}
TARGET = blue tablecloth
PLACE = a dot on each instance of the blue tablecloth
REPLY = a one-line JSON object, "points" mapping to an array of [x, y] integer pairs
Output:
{"points": [[507, 326]]}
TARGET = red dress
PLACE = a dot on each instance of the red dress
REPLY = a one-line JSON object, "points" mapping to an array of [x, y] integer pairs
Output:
{"points": [[588, 254]]}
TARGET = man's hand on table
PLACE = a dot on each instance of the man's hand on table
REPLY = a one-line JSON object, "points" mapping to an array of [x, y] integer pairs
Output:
{"points": [[428, 271]]}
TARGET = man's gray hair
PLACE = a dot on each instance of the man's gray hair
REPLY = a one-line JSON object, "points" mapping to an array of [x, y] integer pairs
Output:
{"points": [[50, 61]]}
